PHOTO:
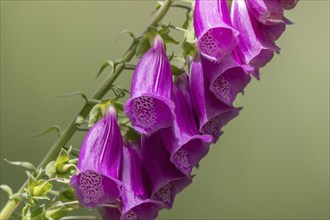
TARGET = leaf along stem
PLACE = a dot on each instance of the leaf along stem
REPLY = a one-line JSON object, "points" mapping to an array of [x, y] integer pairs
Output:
{"points": [[12, 204]]}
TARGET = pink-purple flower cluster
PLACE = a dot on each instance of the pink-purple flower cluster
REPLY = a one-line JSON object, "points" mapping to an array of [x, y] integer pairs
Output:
{"points": [[177, 120]]}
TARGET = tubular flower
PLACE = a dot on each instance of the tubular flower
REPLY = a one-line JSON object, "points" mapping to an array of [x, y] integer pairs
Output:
{"points": [[150, 107], [216, 37], [212, 113], [135, 204], [183, 140], [164, 178], [288, 4], [227, 78], [254, 48], [266, 11], [99, 163]]}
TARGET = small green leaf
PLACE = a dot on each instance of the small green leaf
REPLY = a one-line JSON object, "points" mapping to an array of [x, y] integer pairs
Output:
{"points": [[24, 164], [63, 157], [52, 128], [142, 47], [50, 169], [73, 94], [108, 63], [7, 189]]}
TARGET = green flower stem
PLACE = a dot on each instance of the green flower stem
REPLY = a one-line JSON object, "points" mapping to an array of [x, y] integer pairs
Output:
{"points": [[12, 204]]}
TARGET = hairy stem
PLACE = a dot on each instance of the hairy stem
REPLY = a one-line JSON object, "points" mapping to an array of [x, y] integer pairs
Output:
{"points": [[12, 204]]}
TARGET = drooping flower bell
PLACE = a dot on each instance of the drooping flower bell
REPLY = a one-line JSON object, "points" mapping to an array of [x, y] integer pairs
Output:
{"points": [[215, 36], [254, 48], [211, 112], [227, 78], [135, 202], [164, 178], [99, 163], [266, 11], [150, 107], [183, 140], [109, 212]]}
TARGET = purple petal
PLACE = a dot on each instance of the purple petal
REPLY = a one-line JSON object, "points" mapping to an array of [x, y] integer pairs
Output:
{"points": [[164, 178], [135, 204], [150, 107], [207, 107], [186, 146], [288, 4], [93, 189], [150, 112], [274, 32], [266, 11], [253, 46], [227, 78], [99, 163], [216, 37]]}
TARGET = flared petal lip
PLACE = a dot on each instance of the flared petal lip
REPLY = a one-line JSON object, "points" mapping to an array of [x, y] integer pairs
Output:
{"points": [[74, 182], [158, 205], [235, 33], [165, 100]]}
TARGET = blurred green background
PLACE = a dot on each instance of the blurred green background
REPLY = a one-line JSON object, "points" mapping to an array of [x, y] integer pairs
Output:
{"points": [[272, 161]]}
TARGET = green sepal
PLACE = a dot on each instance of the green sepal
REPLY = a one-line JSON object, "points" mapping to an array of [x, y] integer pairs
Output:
{"points": [[142, 47], [63, 157], [94, 115], [50, 169], [41, 188], [24, 164], [168, 39]]}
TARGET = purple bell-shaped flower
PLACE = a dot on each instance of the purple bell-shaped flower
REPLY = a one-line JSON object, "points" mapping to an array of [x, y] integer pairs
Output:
{"points": [[164, 178], [150, 107], [135, 202], [266, 11], [226, 78], [253, 46], [211, 112], [183, 140], [215, 36], [97, 181]]}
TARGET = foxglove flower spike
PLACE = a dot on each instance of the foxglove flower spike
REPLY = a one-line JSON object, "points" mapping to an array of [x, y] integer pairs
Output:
{"points": [[150, 107], [99, 163]]}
